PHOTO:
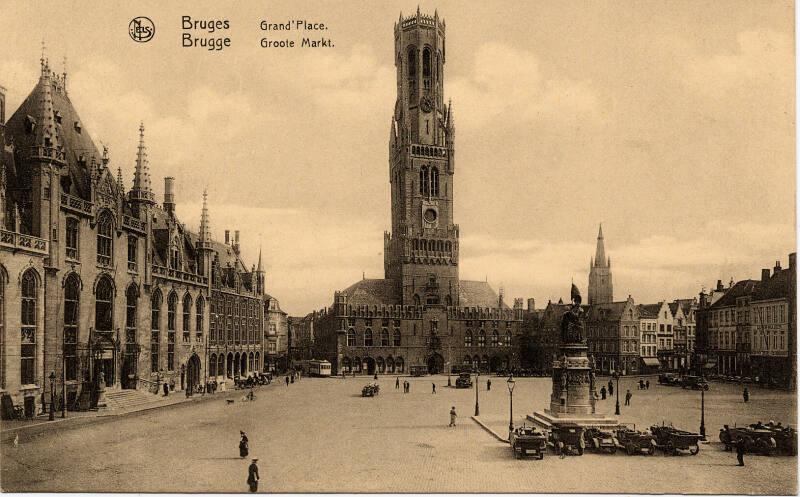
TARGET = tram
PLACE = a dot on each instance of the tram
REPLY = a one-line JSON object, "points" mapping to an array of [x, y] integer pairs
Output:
{"points": [[319, 368]]}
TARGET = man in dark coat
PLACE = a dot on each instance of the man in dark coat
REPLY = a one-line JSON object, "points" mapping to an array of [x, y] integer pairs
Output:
{"points": [[397, 382], [488, 385], [252, 476], [603, 393], [287, 380], [166, 389], [628, 398], [746, 394], [740, 451], [610, 388], [434, 387]]}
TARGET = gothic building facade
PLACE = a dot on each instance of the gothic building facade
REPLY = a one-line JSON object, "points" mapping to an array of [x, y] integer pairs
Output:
{"points": [[99, 283], [421, 313]]}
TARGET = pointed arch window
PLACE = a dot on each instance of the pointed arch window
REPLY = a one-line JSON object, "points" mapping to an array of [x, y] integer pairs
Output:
{"points": [[426, 68], [104, 306], [468, 339], [351, 337], [187, 316], [424, 181], [105, 240], [368, 337], [29, 321], [412, 70], [132, 241], [384, 337], [482, 339], [495, 339], [72, 251], [72, 296], [397, 337], [508, 339], [155, 329], [199, 315], [172, 309], [434, 182]]}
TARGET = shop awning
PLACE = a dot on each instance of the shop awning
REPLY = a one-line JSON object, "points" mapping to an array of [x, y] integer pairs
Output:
{"points": [[650, 361]]}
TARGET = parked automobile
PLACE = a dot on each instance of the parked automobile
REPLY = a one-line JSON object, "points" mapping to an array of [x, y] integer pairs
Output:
{"points": [[693, 382], [759, 438], [464, 380], [370, 390], [567, 438], [600, 441], [671, 379], [673, 441], [527, 441], [636, 442]]}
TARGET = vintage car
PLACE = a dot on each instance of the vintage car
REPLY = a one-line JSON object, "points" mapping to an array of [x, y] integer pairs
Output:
{"points": [[600, 441], [464, 380], [527, 441], [370, 390], [567, 439], [757, 438], [636, 442], [785, 438], [693, 382], [673, 441], [671, 379]]}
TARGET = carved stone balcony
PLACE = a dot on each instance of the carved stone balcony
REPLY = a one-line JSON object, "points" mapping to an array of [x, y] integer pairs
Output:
{"points": [[26, 243]]}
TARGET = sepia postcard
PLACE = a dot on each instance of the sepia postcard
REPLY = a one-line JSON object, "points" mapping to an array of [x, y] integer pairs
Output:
{"points": [[294, 246]]}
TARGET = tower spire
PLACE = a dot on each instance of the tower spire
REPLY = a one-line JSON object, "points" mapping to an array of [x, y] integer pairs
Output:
{"points": [[120, 185], [46, 131], [259, 268], [141, 174], [205, 228], [600, 252]]}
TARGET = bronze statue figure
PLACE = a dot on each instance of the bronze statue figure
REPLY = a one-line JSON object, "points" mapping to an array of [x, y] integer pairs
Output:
{"points": [[572, 320]]}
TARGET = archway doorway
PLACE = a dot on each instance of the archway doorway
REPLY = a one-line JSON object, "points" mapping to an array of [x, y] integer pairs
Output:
{"points": [[243, 360], [230, 365], [193, 373], [369, 363], [495, 364], [435, 364]]}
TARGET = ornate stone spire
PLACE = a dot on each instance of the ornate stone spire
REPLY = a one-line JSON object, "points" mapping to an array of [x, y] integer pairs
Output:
{"points": [[120, 185], [47, 143], [259, 269], [142, 191], [600, 253], [205, 227]]}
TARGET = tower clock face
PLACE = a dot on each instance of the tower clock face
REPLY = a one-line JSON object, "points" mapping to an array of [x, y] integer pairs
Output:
{"points": [[430, 215], [425, 104]]}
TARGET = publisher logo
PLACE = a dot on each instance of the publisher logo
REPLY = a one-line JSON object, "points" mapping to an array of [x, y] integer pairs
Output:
{"points": [[141, 29]]}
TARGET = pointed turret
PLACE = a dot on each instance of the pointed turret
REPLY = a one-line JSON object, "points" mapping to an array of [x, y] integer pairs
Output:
{"points": [[120, 184], [47, 144], [601, 289], [141, 191], [205, 227], [259, 260]]}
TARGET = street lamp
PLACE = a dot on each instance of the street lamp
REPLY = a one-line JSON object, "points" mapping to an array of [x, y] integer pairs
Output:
{"points": [[511, 384], [477, 407], [52, 395], [616, 376], [702, 411]]}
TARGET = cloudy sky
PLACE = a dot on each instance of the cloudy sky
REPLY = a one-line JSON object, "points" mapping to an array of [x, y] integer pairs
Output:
{"points": [[672, 123]]}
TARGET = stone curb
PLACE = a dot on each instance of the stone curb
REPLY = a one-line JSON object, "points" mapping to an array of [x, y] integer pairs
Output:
{"points": [[491, 431]]}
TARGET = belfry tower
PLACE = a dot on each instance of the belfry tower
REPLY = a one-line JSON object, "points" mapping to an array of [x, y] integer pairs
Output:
{"points": [[601, 290], [421, 252]]}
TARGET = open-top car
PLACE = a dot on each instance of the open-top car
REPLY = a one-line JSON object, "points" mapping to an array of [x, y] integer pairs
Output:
{"points": [[567, 438], [671, 379], [464, 380], [526, 441], [636, 442], [673, 441], [757, 438], [694, 382], [600, 441], [370, 390]]}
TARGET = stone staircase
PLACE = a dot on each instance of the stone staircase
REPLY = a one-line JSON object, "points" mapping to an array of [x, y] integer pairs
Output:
{"points": [[117, 400]]}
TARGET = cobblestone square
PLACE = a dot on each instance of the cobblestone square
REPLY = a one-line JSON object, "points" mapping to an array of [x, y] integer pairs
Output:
{"points": [[320, 435]]}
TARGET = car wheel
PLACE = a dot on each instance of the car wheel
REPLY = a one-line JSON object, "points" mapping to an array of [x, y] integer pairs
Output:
{"points": [[630, 449], [694, 450], [580, 450], [613, 450], [651, 450]]}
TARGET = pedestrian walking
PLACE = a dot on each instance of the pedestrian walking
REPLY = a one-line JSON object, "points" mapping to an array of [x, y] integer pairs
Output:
{"points": [[244, 445], [354, 373], [287, 380], [343, 374], [397, 382], [376, 376], [740, 447], [628, 398], [488, 384], [453, 416], [610, 387], [746, 394], [166, 389], [603, 392], [647, 385], [16, 440], [434, 387], [252, 476]]}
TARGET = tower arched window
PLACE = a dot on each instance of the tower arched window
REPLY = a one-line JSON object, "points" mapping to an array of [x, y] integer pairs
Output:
{"points": [[468, 338], [155, 329], [199, 314], [426, 68], [104, 306], [29, 321], [72, 238], [351, 337], [368, 337], [172, 309], [482, 339], [412, 70], [384, 337], [424, 181], [434, 182], [105, 241], [495, 338], [72, 297], [508, 339], [397, 337]]}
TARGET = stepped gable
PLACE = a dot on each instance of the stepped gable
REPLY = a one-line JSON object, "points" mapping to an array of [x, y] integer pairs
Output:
{"points": [[74, 138]]}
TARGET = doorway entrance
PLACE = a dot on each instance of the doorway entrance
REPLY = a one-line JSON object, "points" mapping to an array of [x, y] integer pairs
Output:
{"points": [[435, 364], [193, 373]]}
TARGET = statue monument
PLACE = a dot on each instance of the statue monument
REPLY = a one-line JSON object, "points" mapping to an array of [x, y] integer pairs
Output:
{"points": [[573, 396]]}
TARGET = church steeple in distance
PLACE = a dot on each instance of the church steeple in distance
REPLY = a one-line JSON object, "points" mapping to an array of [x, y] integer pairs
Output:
{"points": [[601, 290]]}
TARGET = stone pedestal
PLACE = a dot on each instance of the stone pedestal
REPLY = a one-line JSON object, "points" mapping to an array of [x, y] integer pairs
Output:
{"points": [[573, 397], [101, 393]]}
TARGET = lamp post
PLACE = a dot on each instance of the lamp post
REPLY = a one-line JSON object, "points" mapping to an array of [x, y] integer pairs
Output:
{"points": [[511, 384], [702, 411], [477, 407], [616, 376], [52, 395]]}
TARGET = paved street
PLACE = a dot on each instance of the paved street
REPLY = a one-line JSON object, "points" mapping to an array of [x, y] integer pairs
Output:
{"points": [[319, 435]]}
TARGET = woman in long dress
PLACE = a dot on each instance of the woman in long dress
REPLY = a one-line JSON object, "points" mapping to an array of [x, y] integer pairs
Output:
{"points": [[243, 446]]}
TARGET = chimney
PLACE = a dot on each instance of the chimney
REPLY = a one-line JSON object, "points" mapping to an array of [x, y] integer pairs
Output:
{"points": [[227, 237], [719, 286], [169, 195], [531, 305], [777, 268], [792, 260], [236, 242], [765, 274]]}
